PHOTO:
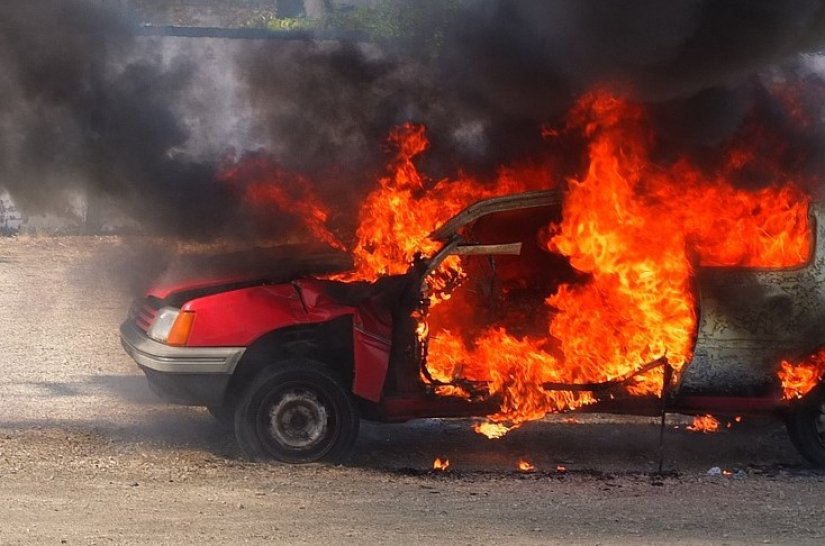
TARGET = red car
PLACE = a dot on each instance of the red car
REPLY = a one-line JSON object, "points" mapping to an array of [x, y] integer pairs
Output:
{"points": [[294, 361]]}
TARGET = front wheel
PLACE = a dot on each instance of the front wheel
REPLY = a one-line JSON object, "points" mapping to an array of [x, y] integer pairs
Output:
{"points": [[806, 426], [296, 411]]}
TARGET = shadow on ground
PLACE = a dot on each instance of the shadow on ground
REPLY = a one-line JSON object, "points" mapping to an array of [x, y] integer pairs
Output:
{"points": [[603, 442], [593, 443]]}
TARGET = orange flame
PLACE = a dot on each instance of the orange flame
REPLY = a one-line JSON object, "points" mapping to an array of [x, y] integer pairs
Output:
{"points": [[704, 423], [455, 391], [264, 184], [737, 420], [492, 430], [633, 226], [798, 379], [397, 218], [526, 466], [441, 466]]}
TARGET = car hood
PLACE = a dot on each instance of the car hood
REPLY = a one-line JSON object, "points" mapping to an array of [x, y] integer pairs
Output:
{"points": [[197, 275]]}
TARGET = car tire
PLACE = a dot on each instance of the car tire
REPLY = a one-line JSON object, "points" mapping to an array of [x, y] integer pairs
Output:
{"points": [[806, 426], [224, 415], [297, 411]]}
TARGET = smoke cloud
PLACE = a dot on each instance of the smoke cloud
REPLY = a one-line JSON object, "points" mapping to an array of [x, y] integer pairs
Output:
{"points": [[146, 122], [83, 111]]}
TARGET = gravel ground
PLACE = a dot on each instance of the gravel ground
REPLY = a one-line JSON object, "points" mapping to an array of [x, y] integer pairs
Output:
{"points": [[89, 456]]}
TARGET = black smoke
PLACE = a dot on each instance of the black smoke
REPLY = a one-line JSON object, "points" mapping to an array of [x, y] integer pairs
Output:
{"points": [[87, 104], [502, 68], [81, 113], [696, 62]]}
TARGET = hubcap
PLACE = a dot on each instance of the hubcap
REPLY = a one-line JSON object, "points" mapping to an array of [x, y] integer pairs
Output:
{"points": [[298, 420]]}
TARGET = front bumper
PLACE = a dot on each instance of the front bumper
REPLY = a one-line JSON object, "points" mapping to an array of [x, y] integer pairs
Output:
{"points": [[184, 375]]}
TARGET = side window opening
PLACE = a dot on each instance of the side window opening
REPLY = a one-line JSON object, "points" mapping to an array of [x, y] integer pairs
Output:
{"points": [[502, 289]]}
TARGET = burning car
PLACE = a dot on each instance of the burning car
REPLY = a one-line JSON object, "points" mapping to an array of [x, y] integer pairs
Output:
{"points": [[296, 354]]}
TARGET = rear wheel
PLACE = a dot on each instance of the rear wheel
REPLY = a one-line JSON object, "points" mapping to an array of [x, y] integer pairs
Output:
{"points": [[296, 411], [806, 427]]}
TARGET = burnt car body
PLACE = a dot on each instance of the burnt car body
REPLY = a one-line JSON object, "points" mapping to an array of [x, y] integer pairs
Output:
{"points": [[294, 361]]}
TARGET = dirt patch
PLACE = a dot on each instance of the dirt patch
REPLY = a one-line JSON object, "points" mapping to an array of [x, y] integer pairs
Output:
{"points": [[88, 455]]}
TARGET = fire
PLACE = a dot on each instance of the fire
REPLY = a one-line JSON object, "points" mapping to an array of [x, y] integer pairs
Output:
{"points": [[441, 466], [704, 423], [491, 430], [633, 227], [264, 184], [397, 218], [737, 420], [798, 379], [525, 466], [452, 390], [637, 229]]}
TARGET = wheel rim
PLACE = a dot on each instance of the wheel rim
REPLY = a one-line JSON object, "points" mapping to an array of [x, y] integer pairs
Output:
{"points": [[296, 419]]}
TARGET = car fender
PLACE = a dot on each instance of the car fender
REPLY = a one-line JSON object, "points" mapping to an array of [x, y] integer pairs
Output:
{"points": [[239, 317]]}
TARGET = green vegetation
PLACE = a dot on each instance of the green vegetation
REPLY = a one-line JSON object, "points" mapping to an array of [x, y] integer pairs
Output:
{"points": [[416, 25]]}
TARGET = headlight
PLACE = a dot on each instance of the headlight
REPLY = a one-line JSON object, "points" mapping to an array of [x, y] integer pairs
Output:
{"points": [[171, 326]]}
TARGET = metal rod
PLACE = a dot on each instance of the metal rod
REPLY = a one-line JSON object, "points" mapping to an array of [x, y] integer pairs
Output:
{"points": [[667, 377], [579, 387], [606, 384], [511, 249]]}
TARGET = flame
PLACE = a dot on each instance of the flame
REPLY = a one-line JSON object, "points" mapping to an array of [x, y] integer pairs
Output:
{"points": [[798, 379], [525, 466], [704, 423], [637, 229], [264, 185], [396, 219], [491, 430], [441, 466], [455, 391], [561, 468], [633, 227]]}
